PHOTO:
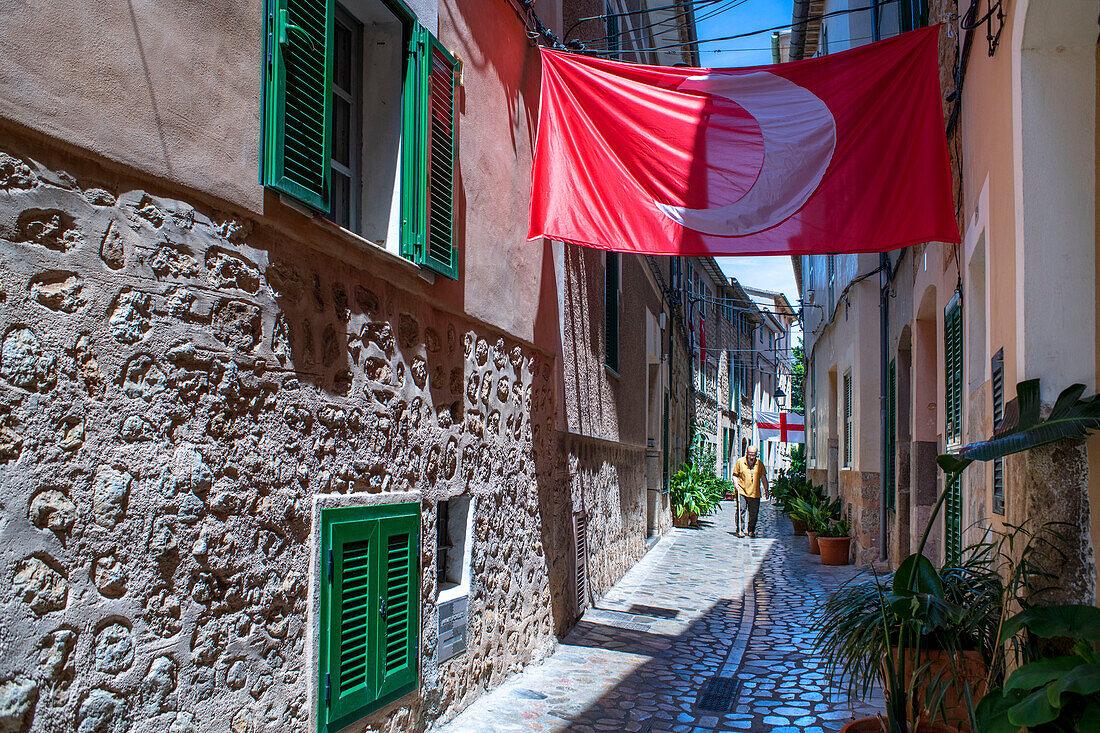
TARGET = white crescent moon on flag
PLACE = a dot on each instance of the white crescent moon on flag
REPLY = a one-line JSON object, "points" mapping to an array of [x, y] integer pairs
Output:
{"points": [[799, 139]]}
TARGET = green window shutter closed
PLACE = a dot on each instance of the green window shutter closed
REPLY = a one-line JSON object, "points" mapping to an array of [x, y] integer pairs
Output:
{"points": [[891, 435], [428, 154], [370, 610], [297, 140], [351, 644], [953, 371], [611, 310]]}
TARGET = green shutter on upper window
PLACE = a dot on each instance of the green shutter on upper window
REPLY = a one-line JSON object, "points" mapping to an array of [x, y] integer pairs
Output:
{"points": [[428, 155], [953, 371], [297, 139]]}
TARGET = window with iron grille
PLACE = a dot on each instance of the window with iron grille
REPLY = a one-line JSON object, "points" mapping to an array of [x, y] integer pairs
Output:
{"points": [[357, 147], [998, 384], [830, 261], [848, 420]]}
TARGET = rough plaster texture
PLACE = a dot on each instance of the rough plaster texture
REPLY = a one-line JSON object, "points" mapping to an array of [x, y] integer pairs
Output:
{"points": [[176, 388]]}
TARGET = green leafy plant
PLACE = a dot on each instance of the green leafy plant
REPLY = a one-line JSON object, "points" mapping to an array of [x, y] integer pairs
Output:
{"points": [[841, 528], [875, 630], [688, 492], [1021, 429], [1054, 692]]}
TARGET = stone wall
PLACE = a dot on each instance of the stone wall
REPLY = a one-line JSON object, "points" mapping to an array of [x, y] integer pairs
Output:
{"points": [[177, 387], [861, 502]]}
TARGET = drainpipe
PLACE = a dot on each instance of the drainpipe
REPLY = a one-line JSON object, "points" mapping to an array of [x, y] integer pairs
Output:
{"points": [[884, 349]]}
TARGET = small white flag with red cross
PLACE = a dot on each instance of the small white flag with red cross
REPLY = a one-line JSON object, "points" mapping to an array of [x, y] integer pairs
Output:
{"points": [[786, 426]]}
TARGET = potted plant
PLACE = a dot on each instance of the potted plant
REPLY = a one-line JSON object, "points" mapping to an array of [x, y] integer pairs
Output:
{"points": [[687, 496], [1054, 690], [835, 542]]}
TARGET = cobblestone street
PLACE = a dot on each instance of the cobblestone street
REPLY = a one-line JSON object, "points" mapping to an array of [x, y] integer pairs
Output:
{"points": [[703, 612]]}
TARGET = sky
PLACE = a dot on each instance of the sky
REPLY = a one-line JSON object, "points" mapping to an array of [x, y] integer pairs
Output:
{"points": [[731, 17]]}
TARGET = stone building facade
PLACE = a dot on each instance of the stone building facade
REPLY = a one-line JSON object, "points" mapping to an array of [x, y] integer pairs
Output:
{"points": [[195, 372], [1016, 300]]}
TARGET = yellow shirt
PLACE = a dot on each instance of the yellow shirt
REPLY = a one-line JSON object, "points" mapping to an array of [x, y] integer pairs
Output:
{"points": [[748, 479]]}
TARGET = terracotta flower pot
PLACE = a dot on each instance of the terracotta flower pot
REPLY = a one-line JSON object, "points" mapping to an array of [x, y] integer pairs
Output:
{"points": [[878, 725], [798, 526], [834, 550], [815, 548], [687, 519], [969, 670]]}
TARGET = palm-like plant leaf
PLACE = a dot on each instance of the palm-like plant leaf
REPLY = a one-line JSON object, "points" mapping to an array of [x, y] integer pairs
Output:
{"points": [[1021, 429]]}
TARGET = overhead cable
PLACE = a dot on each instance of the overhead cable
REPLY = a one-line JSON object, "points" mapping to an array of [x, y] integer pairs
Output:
{"points": [[756, 32]]}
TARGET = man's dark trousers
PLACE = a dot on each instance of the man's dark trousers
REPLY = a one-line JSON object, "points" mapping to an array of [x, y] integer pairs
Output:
{"points": [[752, 508]]}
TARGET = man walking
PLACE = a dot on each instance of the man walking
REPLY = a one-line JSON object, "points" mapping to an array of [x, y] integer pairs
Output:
{"points": [[750, 476]]}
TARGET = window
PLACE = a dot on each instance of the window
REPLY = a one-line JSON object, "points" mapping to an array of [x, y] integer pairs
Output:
{"points": [[953, 389], [848, 420], [953, 371], [731, 384], [812, 401], [347, 122], [830, 262], [611, 28], [912, 14], [891, 434], [369, 610], [611, 310], [998, 384], [386, 174]]}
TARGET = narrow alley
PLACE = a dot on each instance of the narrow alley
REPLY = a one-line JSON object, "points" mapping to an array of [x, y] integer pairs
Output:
{"points": [[708, 632]]}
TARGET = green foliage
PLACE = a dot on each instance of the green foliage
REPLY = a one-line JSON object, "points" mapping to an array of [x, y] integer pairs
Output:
{"points": [[1021, 429], [1051, 693], [797, 469], [841, 528], [958, 607], [696, 488]]}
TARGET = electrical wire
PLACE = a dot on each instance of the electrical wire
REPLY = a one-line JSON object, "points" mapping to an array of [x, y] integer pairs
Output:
{"points": [[631, 31], [604, 16], [762, 30]]}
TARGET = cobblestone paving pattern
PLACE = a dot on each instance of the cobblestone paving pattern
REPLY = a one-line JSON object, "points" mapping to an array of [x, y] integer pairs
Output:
{"points": [[703, 603]]}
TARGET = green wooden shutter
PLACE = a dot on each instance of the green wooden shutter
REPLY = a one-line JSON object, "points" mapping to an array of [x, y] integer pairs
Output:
{"points": [[349, 647], [953, 371], [952, 518], [370, 610], [847, 420], [611, 310], [440, 253], [891, 435], [998, 386], [428, 154], [953, 388], [297, 140], [399, 610]]}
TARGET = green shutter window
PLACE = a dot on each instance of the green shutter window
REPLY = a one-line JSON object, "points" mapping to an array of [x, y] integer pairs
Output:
{"points": [[611, 310], [891, 435], [297, 141], [428, 154], [369, 610], [953, 371], [953, 388], [848, 420], [952, 518], [998, 384]]}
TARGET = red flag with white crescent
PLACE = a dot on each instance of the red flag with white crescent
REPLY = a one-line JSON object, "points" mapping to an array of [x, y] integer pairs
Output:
{"points": [[842, 153]]}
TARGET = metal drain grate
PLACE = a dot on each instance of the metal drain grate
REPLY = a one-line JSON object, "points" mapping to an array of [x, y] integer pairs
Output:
{"points": [[719, 695]]}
